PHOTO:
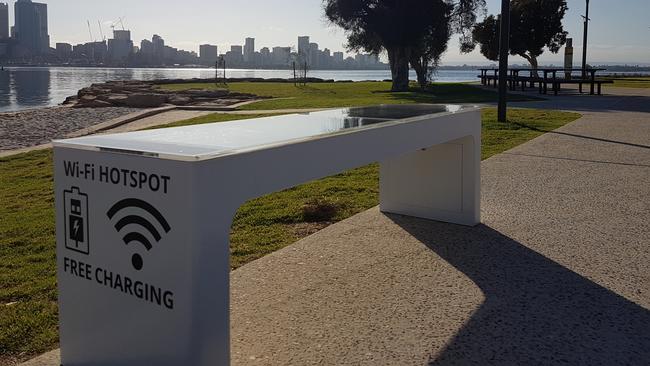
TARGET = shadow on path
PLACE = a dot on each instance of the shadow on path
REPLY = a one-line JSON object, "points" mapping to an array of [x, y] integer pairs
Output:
{"points": [[580, 160], [556, 132], [536, 312], [593, 103]]}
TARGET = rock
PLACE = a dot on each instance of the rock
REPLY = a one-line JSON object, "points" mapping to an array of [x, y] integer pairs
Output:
{"points": [[179, 100], [113, 98], [91, 101], [117, 99], [87, 98], [70, 100], [83, 91], [145, 94], [139, 100]]}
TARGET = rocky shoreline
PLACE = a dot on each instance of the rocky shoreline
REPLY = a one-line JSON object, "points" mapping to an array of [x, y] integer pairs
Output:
{"points": [[146, 94], [40, 126]]}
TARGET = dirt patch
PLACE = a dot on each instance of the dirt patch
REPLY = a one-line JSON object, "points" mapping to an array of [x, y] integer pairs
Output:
{"points": [[304, 229]]}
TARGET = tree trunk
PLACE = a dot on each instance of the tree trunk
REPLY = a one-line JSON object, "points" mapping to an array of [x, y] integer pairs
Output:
{"points": [[532, 60], [421, 70], [533, 64], [398, 57]]}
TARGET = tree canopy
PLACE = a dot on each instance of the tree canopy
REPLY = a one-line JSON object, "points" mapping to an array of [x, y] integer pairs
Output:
{"points": [[413, 31], [426, 56], [534, 25]]}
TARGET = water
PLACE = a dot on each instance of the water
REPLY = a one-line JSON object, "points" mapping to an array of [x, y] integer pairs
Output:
{"points": [[36, 87]]}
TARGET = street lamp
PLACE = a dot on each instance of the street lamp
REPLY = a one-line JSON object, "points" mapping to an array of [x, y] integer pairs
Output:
{"points": [[504, 48], [584, 43]]}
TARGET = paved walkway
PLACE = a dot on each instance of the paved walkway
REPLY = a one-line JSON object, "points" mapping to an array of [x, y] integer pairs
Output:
{"points": [[556, 274], [158, 120]]}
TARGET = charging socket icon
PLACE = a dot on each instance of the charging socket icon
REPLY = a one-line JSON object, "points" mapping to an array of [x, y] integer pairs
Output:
{"points": [[76, 220]]}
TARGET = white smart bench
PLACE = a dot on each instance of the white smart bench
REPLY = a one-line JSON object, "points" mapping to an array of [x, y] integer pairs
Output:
{"points": [[143, 218]]}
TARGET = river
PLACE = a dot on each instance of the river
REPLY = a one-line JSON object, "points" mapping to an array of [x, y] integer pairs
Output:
{"points": [[36, 87]]}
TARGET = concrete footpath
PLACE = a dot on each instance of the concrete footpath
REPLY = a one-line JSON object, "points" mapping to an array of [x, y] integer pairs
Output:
{"points": [[557, 273]]}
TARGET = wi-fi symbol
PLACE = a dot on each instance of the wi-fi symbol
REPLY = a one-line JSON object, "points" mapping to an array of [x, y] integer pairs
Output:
{"points": [[138, 221]]}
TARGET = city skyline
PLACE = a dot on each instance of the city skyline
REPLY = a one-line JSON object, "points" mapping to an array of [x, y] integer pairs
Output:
{"points": [[621, 41], [618, 34], [28, 42]]}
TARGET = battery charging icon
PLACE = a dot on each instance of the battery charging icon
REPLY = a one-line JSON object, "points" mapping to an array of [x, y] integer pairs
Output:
{"points": [[76, 220]]}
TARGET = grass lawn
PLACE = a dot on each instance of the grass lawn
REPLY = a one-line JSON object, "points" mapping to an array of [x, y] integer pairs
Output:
{"points": [[28, 310], [325, 95], [210, 118], [628, 82]]}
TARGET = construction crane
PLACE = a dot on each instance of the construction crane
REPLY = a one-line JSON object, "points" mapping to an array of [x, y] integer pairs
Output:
{"points": [[120, 20], [91, 51], [101, 32], [90, 32]]}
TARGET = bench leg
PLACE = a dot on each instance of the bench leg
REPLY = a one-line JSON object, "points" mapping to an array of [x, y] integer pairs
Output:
{"points": [[580, 88], [439, 183], [600, 88], [170, 309]]}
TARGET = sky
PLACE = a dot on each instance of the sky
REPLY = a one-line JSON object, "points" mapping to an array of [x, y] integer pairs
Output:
{"points": [[619, 31]]}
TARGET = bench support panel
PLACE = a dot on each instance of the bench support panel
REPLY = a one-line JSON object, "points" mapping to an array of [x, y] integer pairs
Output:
{"points": [[438, 183]]}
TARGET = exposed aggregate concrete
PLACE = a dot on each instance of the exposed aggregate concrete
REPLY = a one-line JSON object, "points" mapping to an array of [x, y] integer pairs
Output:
{"points": [[40, 126]]}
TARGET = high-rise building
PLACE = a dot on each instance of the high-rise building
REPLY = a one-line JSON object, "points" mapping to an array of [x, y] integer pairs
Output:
{"points": [[303, 47], [41, 16], [122, 35], [265, 56], [249, 50], [120, 47], [281, 56], [99, 51], [366, 59], [325, 58], [146, 47], [158, 49], [63, 50], [30, 29], [337, 58], [4, 21], [236, 55], [236, 49], [208, 54], [313, 57]]}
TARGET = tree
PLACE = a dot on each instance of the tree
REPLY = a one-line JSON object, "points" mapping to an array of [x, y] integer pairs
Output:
{"points": [[407, 30], [534, 25], [426, 56]]}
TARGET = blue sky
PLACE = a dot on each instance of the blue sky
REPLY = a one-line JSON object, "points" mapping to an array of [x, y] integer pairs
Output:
{"points": [[619, 32]]}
